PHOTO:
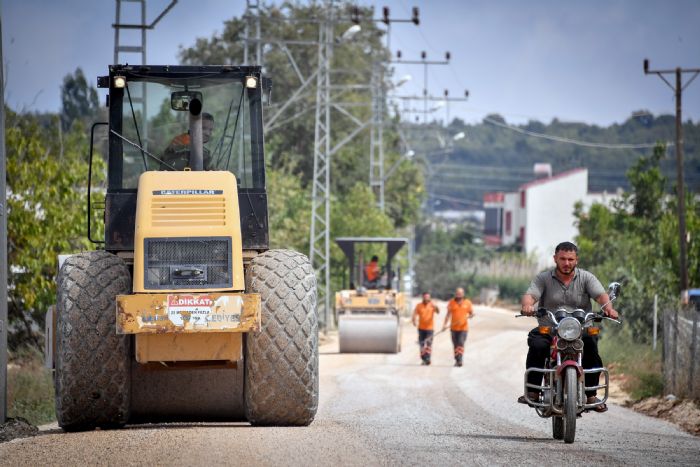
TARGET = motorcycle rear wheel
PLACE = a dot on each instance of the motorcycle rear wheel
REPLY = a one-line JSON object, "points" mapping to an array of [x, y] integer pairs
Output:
{"points": [[570, 392]]}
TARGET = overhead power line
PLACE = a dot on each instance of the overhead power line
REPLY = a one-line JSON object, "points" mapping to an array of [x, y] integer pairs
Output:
{"points": [[561, 139]]}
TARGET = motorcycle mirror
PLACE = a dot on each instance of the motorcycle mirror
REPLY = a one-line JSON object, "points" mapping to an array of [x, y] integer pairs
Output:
{"points": [[614, 290]]}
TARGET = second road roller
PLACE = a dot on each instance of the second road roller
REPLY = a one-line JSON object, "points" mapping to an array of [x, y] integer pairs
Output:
{"points": [[368, 312]]}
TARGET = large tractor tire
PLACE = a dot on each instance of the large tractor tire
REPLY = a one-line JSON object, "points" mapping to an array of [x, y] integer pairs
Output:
{"points": [[281, 360], [92, 362]]}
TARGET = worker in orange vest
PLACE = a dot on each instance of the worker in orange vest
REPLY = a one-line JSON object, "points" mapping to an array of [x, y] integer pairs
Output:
{"points": [[372, 272], [459, 311], [177, 154], [423, 319]]}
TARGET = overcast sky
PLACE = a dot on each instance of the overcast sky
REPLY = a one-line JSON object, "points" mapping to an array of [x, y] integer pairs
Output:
{"points": [[573, 60]]}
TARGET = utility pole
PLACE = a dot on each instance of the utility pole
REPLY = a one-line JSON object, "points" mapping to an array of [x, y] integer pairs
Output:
{"points": [[3, 249], [446, 99], [376, 141], [423, 61], [678, 91], [324, 146]]}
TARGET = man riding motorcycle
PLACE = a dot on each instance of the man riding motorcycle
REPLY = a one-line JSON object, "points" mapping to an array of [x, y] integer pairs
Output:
{"points": [[568, 286]]}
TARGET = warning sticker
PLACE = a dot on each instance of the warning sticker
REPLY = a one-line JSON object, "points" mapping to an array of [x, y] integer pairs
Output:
{"points": [[189, 308], [187, 312]]}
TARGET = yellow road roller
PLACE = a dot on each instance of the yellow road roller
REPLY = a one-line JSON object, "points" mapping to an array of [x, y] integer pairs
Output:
{"points": [[183, 312], [368, 312]]}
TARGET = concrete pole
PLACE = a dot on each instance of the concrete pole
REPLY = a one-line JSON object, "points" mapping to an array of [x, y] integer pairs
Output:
{"points": [[3, 249], [681, 188], [656, 320]]}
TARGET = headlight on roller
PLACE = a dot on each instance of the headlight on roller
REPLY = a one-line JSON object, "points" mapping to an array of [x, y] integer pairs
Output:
{"points": [[569, 329]]}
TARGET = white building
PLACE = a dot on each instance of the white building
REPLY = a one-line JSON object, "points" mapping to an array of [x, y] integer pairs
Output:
{"points": [[540, 214]]}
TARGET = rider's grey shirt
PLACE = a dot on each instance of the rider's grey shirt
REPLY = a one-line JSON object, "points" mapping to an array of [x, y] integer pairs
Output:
{"points": [[552, 293]]}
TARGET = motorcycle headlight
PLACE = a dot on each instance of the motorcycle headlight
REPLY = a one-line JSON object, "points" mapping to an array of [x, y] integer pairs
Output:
{"points": [[569, 329]]}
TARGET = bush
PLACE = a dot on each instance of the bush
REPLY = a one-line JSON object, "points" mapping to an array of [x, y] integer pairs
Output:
{"points": [[509, 288], [637, 362], [443, 285]]}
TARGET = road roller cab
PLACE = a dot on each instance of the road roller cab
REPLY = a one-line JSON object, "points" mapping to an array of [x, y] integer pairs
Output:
{"points": [[368, 313], [183, 312]]}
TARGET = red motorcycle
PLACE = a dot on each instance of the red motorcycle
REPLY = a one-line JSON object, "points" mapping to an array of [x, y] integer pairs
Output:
{"points": [[562, 395]]}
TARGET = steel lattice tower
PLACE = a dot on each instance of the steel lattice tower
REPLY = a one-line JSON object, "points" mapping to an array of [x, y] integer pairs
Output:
{"points": [[319, 248], [376, 140]]}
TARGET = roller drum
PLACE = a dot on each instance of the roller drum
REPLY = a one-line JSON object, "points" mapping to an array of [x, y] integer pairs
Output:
{"points": [[360, 333], [186, 394]]}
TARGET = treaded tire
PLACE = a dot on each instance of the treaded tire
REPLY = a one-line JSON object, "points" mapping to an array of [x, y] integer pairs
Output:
{"points": [[93, 381], [570, 391], [281, 361], [557, 427]]}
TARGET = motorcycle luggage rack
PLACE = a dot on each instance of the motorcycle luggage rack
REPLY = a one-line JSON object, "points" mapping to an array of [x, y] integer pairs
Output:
{"points": [[529, 387], [605, 386]]}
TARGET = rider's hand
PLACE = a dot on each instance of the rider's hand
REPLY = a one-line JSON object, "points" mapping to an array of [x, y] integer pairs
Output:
{"points": [[528, 310], [611, 313]]}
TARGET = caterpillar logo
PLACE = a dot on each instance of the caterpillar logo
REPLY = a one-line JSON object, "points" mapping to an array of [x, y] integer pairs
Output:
{"points": [[187, 192]]}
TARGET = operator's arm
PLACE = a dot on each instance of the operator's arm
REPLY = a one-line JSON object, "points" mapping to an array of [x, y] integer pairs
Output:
{"points": [[414, 318], [532, 295], [471, 310], [527, 305], [608, 309]]}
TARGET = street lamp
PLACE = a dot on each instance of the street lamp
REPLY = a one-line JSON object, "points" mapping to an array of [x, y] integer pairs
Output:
{"points": [[404, 79], [407, 155], [438, 106], [350, 33]]}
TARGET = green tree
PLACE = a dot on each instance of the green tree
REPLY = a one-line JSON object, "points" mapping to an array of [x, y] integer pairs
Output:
{"points": [[443, 252], [289, 208], [290, 137], [78, 99], [636, 242], [356, 215], [46, 208]]}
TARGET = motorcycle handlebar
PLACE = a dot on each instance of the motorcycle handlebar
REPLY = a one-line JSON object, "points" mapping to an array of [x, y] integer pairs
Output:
{"points": [[590, 316]]}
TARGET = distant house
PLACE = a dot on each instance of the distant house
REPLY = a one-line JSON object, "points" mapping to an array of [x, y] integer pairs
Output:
{"points": [[540, 214]]}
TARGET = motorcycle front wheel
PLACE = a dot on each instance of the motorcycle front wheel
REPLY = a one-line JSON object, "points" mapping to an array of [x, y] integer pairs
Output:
{"points": [[557, 427], [570, 392]]}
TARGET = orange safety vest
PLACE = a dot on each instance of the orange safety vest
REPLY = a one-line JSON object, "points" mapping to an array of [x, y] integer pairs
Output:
{"points": [[460, 314], [372, 271], [180, 140], [425, 315]]}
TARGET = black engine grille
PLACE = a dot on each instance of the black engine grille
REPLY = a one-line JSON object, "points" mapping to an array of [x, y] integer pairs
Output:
{"points": [[169, 261]]}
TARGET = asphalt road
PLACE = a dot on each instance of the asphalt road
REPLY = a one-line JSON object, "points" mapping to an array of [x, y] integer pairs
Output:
{"points": [[389, 410]]}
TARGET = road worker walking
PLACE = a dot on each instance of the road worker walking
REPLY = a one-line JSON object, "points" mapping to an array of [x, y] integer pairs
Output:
{"points": [[423, 319], [459, 311]]}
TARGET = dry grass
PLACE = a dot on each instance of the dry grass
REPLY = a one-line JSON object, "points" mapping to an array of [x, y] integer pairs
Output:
{"points": [[30, 391], [635, 366]]}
